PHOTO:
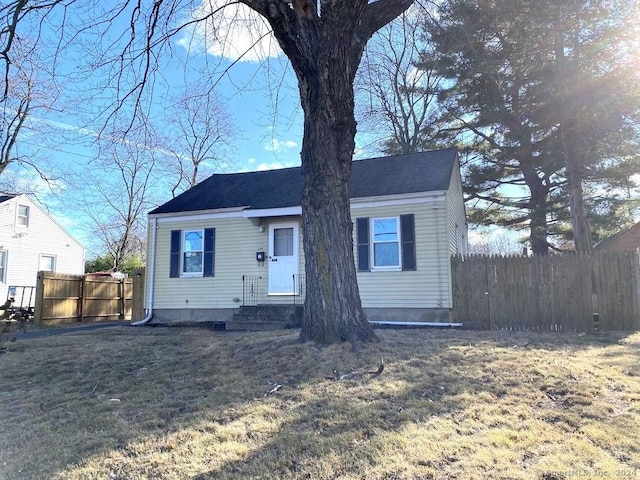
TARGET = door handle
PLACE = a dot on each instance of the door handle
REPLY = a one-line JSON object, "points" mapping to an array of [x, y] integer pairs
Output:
{"points": [[274, 259]]}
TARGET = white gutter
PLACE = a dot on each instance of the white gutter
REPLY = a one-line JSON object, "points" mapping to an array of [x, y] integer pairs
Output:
{"points": [[150, 275]]}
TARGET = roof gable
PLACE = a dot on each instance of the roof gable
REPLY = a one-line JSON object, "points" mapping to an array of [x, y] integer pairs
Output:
{"points": [[394, 175], [628, 239], [25, 199]]}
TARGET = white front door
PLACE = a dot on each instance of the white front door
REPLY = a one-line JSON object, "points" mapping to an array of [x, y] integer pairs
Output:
{"points": [[283, 257]]}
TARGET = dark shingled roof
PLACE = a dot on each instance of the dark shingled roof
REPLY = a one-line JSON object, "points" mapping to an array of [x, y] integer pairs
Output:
{"points": [[398, 174], [4, 198]]}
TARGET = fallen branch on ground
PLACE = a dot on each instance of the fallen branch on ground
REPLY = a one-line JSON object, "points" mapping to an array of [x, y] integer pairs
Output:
{"points": [[337, 375], [51, 407]]}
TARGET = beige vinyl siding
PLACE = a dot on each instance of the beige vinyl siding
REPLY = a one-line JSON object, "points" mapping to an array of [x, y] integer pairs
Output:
{"points": [[236, 242], [428, 285], [25, 244], [458, 234]]}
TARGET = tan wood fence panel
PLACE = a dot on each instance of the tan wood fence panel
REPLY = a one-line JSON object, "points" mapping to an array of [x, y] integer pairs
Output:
{"points": [[570, 292], [137, 308], [64, 298]]}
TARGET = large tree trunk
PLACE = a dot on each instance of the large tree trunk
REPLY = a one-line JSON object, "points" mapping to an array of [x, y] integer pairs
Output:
{"points": [[569, 102], [538, 206], [538, 227], [538, 201], [573, 170], [325, 48], [333, 311]]}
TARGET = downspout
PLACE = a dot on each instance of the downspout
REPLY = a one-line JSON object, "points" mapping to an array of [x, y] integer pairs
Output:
{"points": [[151, 276]]}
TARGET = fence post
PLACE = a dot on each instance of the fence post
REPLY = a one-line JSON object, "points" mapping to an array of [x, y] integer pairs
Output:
{"points": [[38, 307], [83, 285], [137, 301], [121, 301]]}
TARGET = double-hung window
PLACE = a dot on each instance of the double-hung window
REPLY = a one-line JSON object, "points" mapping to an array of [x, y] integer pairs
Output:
{"points": [[23, 215], [192, 252], [3, 266], [386, 243], [385, 238]]}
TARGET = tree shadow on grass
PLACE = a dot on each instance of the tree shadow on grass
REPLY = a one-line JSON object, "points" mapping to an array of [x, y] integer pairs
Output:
{"points": [[381, 427], [202, 405]]}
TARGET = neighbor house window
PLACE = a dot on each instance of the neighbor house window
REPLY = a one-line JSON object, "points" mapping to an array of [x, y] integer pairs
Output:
{"points": [[23, 215], [192, 252], [3, 266], [385, 238], [47, 263]]}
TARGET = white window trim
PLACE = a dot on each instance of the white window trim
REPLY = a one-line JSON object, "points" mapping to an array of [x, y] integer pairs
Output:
{"points": [[48, 255], [390, 268], [183, 251], [27, 216], [3, 273]]}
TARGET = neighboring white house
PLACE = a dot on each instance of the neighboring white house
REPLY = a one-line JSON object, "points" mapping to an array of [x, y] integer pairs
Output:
{"points": [[30, 240], [408, 214]]}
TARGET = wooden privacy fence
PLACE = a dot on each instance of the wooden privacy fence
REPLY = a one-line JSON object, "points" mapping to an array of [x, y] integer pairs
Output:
{"points": [[62, 298], [570, 292]]}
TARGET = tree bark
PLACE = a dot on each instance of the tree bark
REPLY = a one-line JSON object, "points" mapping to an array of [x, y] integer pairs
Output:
{"points": [[538, 226], [570, 116], [325, 49], [573, 170], [538, 205], [333, 311]]}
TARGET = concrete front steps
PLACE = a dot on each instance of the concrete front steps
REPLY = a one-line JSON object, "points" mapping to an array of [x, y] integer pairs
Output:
{"points": [[266, 317]]}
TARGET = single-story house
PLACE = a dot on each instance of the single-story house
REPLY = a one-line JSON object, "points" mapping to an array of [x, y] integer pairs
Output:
{"points": [[628, 239], [30, 241], [237, 238]]}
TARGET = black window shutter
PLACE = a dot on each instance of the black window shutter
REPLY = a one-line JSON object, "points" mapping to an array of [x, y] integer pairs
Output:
{"points": [[174, 263], [362, 238], [407, 227], [209, 251]]}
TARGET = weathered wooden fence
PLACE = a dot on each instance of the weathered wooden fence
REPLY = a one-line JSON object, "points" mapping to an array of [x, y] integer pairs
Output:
{"points": [[62, 298], [570, 292], [137, 303]]}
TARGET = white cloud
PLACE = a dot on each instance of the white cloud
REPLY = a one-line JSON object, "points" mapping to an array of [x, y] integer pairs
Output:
{"points": [[275, 145], [269, 166], [233, 32]]}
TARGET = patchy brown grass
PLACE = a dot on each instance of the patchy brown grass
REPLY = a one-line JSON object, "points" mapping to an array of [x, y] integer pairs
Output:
{"points": [[189, 403]]}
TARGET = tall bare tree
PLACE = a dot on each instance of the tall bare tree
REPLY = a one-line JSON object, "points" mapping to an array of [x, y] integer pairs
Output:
{"points": [[25, 94], [324, 41], [396, 89], [119, 196], [15, 110], [198, 136]]}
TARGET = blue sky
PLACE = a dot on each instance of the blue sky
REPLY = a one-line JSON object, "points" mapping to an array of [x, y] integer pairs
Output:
{"points": [[260, 93]]}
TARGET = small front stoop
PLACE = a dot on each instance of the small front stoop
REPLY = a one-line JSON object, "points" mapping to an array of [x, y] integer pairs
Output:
{"points": [[266, 317]]}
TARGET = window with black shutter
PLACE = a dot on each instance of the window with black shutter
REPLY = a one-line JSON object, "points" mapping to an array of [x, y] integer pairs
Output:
{"points": [[192, 253]]}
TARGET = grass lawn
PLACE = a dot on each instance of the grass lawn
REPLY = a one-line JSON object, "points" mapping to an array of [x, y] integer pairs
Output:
{"points": [[190, 403]]}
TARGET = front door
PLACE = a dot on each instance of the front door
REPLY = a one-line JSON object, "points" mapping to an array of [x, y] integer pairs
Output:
{"points": [[283, 257]]}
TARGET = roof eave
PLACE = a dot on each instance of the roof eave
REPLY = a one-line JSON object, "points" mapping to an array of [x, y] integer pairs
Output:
{"points": [[210, 211]]}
